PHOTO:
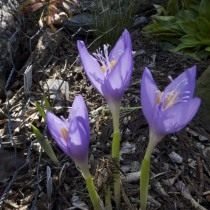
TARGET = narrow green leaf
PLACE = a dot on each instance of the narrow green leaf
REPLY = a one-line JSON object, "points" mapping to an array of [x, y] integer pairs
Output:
{"points": [[40, 109], [44, 144], [46, 103], [204, 9], [172, 7]]}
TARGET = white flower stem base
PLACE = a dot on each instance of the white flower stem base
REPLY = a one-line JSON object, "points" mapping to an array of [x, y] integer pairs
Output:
{"points": [[115, 110]]}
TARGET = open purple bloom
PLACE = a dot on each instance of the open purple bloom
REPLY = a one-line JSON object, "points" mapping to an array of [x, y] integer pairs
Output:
{"points": [[171, 110], [72, 134], [109, 73]]}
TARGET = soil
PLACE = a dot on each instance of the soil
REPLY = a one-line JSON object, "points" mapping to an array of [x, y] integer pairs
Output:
{"points": [[180, 165]]}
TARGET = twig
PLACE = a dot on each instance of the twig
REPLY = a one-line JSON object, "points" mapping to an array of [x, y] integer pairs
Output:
{"points": [[126, 199], [186, 194]]}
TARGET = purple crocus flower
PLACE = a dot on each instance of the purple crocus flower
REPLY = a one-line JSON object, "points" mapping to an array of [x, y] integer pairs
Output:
{"points": [[109, 73], [72, 134], [171, 110]]}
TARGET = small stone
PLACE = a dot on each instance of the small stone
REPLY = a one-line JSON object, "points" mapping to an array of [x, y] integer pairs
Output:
{"points": [[78, 203], [174, 138], [125, 168], [192, 132], [131, 177], [200, 146], [175, 158], [128, 148], [139, 21], [57, 88], [203, 138]]}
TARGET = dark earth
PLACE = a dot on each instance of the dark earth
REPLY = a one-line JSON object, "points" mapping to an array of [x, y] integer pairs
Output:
{"points": [[180, 170]]}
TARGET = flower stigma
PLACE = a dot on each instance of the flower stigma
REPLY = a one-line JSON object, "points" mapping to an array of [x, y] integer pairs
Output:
{"points": [[102, 57]]}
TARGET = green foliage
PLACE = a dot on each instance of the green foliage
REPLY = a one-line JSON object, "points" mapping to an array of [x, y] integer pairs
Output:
{"points": [[45, 144], [40, 107], [112, 17], [185, 24]]}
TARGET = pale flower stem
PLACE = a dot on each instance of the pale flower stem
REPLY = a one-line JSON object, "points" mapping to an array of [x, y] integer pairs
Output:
{"points": [[144, 180], [115, 156], [115, 109], [95, 199], [145, 169]]}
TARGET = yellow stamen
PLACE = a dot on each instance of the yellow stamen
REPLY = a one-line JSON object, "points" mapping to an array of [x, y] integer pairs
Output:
{"points": [[170, 99], [112, 64], [158, 97], [64, 133]]}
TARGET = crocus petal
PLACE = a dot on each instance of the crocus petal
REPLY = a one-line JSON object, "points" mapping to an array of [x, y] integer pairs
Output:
{"points": [[91, 66], [184, 83], [123, 42], [178, 116], [79, 144], [79, 110], [58, 128], [149, 92], [119, 77]]}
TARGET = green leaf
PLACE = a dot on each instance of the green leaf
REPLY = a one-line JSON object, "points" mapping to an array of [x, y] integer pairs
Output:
{"points": [[204, 9], [160, 10], [187, 27], [46, 103], [44, 144], [165, 18], [203, 28], [40, 109], [172, 7]]}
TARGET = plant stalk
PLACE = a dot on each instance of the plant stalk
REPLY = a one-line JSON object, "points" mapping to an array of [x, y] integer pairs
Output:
{"points": [[95, 199], [115, 109], [145, 169]]}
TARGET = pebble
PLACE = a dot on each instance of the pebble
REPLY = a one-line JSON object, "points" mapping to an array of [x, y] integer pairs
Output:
{"points": [[139, 21], [200, 146], [125, 168], [174, 138], [192, 132], [128, 148], [175, 158], [203, 138]]}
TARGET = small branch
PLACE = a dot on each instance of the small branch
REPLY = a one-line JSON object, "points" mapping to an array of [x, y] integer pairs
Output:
{"points": [[186, 194]]}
